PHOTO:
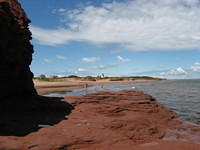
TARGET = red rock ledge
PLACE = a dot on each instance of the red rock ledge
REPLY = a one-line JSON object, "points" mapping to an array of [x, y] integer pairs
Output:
{"points": [[125, 120]]}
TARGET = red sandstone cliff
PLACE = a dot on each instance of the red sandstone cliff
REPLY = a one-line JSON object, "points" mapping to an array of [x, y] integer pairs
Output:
{"points": [[21, 109], [15, 51]]}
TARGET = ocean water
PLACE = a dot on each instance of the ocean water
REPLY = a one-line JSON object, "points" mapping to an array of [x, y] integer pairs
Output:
{"points": [[182, 96]]}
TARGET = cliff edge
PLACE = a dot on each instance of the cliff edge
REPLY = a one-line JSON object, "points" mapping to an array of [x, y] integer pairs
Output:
{"points": [[15, 51]]}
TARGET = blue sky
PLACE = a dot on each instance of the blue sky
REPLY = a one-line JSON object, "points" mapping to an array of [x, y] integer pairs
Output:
{"points": [[118, 38]]}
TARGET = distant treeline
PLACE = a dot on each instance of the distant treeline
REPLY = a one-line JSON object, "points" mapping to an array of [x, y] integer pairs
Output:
{"points": [[92, 78]]}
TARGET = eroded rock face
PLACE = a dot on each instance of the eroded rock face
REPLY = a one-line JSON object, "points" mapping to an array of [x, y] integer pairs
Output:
{"points": [[15, 51]]}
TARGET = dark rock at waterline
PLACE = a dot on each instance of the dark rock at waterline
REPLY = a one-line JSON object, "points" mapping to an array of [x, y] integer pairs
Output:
{"points": [[15, 51]]}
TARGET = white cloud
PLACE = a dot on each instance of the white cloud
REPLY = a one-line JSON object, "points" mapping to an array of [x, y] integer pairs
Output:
{"points": [[51, 37], [90, 59], [163, 73], [61, 10], [121, 59], [197, 63], [61, 57], [137, 25], [106, 66], [47, 60], [80, 71], [196, 67], [177, 71]]}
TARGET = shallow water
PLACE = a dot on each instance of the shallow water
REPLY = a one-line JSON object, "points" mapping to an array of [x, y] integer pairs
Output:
{"points": [[182, 96]]}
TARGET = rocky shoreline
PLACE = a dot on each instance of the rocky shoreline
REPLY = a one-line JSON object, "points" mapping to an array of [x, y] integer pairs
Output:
{"points": [[123, 120]]}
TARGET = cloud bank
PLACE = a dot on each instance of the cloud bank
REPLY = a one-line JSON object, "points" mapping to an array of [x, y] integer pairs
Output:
{"points": [[136, 25], [177, 71]]}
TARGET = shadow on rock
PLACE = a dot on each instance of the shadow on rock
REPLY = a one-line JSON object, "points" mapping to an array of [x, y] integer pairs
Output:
{"points": [[21, 116]]}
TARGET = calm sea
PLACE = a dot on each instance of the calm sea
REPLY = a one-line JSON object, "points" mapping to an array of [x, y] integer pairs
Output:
{"points": [[182, 96]]}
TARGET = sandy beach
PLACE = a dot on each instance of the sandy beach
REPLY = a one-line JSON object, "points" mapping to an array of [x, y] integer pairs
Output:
{"points": [[43, 87], [70, 84]]}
